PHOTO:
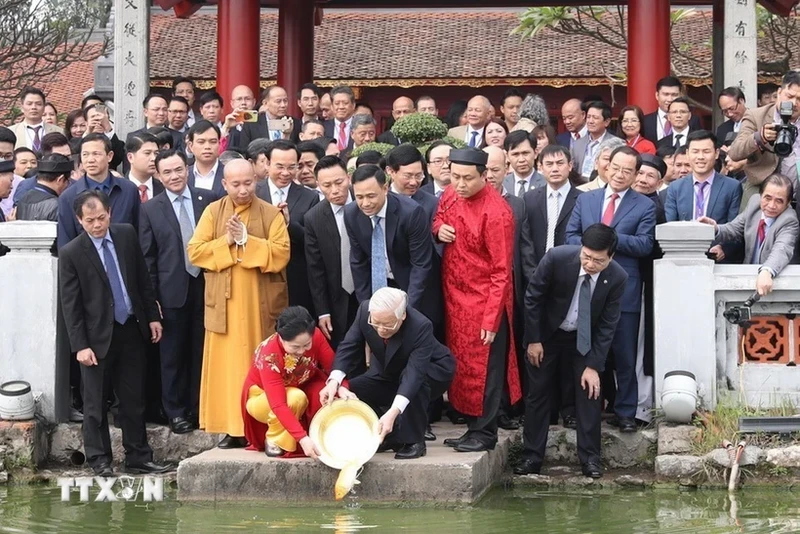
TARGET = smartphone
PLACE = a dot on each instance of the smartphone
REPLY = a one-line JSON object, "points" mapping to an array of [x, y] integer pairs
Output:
{"points": [[247, 116], [280, 124], [711, 255]]}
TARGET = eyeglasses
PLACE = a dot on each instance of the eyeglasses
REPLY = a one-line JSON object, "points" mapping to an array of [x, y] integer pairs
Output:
{"points": [[627, 173], [382, 326], [290, 168], [438, 162], [593, 260], [630, 121], [730, 109]]}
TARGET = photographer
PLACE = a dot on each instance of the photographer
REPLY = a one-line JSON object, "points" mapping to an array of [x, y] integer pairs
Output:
{"points": [[757, 137], [769, 230]]}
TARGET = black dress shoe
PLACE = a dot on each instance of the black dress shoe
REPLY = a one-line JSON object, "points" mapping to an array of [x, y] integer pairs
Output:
{"points": [[453, 442], [570, 422], [473, 445], [387, 445], [411, 451], [429, 435], [627, 424], [231, 442], [147, 468], [527, 467], [592, 470], [456, 418], [194, 419], [180, 425], [507, 423], [103, 470]]}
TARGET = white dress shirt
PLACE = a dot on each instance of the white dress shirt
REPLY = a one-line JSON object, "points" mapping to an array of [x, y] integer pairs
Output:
{"points": [[278, 194], [478, 138], [570, 323], [337, 127], [661, 120], [176, 207], [438, 190], [683, 133], [563, 190], [205, 181], [30, 134], [148, 184], [607, 199]]}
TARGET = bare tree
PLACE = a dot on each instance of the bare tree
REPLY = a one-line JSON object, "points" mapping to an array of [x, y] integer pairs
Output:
{"points": [[39, 38]]}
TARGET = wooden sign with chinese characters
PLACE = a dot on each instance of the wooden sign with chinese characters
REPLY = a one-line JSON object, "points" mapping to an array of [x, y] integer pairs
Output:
{"points": [[131, 64], [741, 57]]}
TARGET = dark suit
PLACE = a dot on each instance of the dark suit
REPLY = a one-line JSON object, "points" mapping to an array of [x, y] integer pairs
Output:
{"points": [[547, 304], [330, 127], [434, 308], [389, 138], [535, 202], [216, 188], [412, 364], [723, 130], [88, 306], [409, 249], [260, 130], [300, 200], [722, 206], [181, 299], [564, 139], [634, 221], [669, 140], [323, 250], [650, 126], [177, 144]]}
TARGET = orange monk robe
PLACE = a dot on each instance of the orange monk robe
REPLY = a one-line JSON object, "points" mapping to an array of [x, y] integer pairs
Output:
{"points": [[245, 291]]}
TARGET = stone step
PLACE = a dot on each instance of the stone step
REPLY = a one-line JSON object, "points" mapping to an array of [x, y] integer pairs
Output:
{"points": [[443, 476]]}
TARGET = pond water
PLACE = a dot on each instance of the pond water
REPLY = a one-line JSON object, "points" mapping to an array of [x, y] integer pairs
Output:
{"points": [[39, 509]]}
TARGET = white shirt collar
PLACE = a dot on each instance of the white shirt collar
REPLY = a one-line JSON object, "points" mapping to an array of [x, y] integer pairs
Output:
{"points": [[41, 125], [683, 132], [212, 172], [528, 178], [337, 208], [610, 192], [564, 189], [382, 213], [583, 132], [172, 196], [147, 183], [273, 189], [583, 273]]}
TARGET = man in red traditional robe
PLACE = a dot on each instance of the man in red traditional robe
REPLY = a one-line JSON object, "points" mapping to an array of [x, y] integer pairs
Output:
{"points": [[477, 226]]}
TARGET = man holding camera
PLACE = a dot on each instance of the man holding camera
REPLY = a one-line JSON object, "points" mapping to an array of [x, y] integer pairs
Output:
{"points": [[768, 138]]}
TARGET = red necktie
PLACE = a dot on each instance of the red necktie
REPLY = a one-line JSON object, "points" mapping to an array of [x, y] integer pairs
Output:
{"points": [[143, 193], [342, 136], [608, 216], [762, 231], [577, 135]]}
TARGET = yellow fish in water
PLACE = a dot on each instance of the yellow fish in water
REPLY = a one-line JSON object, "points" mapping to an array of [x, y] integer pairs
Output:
{"points": [[347, 479]]}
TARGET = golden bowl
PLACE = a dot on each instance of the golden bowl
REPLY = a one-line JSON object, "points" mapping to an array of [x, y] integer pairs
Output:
{"points": [[346, 433]]}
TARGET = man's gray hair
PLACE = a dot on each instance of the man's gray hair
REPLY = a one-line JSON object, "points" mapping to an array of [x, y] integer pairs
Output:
{"points": [[535, 109], [389, 299], [610, 143], [343, 90], [362, 119]]}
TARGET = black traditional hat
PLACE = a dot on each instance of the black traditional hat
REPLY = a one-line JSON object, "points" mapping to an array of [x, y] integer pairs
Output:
{"points": [[55, 167], [655, 162], [6, 166], [469, 156]]}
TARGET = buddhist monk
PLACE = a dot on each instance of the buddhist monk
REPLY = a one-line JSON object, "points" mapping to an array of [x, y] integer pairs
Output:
{"points": [[242, 244], [477, 226]]}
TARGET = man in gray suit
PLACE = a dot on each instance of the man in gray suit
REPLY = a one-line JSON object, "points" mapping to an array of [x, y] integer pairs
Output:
{"points": [[521, 149], [586, 149], [769, 230]]}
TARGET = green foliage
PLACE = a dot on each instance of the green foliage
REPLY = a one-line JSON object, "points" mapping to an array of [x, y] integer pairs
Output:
{"points": [[383, 148], [536, 19], [419, 128]]}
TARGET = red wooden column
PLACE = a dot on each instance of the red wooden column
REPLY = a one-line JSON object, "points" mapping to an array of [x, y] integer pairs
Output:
{"points": [[648, 50], [238, 43], [295, 47]]}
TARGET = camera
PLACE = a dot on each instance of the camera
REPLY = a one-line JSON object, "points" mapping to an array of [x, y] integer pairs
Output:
{"points": [[787, 132], [741, 314]]}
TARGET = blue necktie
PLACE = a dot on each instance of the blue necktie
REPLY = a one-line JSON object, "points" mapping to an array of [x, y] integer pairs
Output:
{"points": [[120, 308], [473, 140], [378, 256]]}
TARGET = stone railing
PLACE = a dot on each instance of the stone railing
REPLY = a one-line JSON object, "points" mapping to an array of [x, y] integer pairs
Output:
{"points": [[28, 315], [691, 294]]}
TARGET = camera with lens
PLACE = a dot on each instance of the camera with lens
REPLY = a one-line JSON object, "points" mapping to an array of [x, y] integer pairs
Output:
{"points": [[787, 132], [741, 314]]}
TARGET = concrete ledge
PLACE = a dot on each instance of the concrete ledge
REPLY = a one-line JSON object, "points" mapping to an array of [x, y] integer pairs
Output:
{"points": [[442, 477]]}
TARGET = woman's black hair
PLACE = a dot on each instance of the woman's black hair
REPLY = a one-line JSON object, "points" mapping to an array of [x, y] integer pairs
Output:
{"points": [[293, 321]]}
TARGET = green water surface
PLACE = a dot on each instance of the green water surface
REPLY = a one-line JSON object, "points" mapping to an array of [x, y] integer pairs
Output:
{"points": [[39, 509]]}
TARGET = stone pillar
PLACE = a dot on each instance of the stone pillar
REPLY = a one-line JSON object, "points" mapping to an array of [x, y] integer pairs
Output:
{"points": [[648, 50], [28, 315], [683, 292], [131, 64], [741, 58]]}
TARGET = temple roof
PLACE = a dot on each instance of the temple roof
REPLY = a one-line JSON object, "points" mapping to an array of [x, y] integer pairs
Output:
{"points": [[410, 48]]}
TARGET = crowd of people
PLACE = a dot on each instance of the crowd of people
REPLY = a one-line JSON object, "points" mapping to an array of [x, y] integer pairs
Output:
{"points": [[234, 273]]}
